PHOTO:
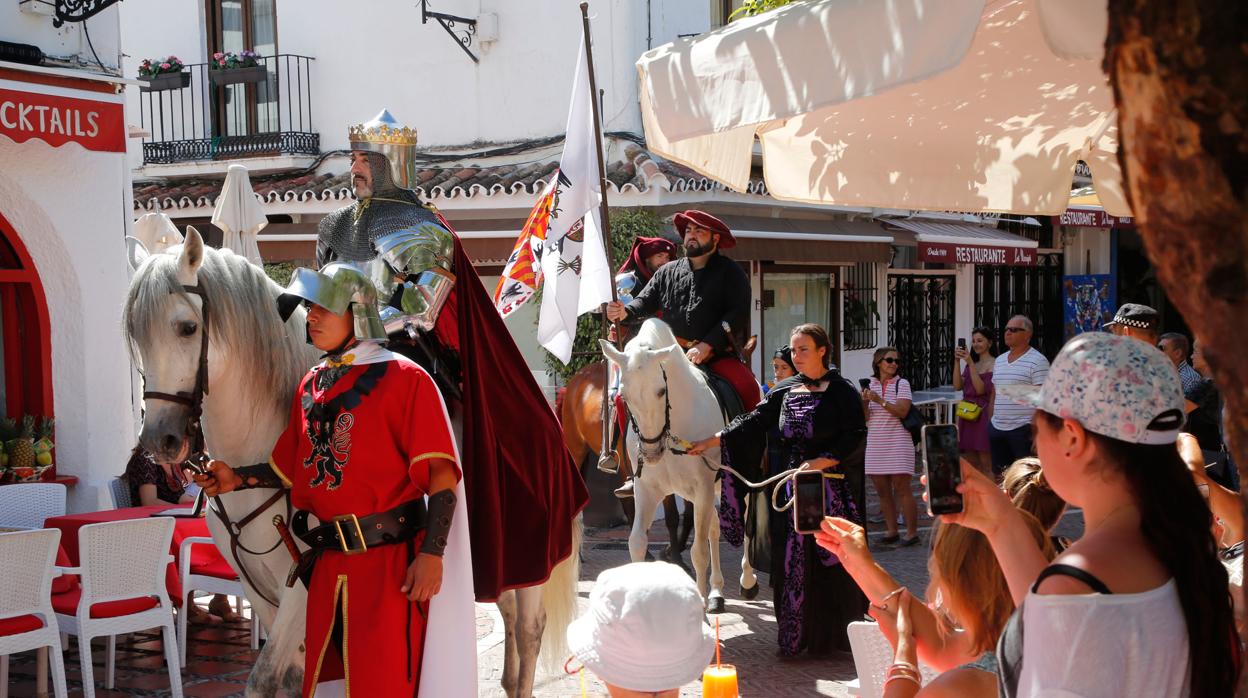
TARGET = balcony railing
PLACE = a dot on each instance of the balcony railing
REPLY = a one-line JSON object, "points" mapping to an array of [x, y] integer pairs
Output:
{"points": [[207, 121]]}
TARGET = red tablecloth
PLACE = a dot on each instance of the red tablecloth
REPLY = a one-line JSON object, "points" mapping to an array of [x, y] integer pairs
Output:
{"points": [[182, 529]]}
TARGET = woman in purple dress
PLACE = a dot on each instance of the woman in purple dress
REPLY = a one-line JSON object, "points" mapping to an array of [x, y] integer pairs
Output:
{"points": [[975, 382], [821, 428]]}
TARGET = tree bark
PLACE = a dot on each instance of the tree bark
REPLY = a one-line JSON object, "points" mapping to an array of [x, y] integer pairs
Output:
{"points": [[1179, 71]]}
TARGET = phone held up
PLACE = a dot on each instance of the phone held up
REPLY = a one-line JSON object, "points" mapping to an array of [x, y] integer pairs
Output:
{"points": [[807, 501], [864, 383], [961, 342], [944, 470]]}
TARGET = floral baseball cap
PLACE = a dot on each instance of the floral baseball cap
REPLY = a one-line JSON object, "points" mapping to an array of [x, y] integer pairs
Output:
{"points": [[1114, 386]]}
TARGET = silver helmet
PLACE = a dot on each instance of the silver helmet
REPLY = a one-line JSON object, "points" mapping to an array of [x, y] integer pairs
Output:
{"points": [[385, 136], [420, 259], [337, 287]]}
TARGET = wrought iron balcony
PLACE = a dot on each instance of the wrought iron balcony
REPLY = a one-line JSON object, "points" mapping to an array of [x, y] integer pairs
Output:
{"points": [[242, 113]]}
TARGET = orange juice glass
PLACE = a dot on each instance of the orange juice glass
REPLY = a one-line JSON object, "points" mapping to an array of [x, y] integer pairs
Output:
{"points": [[719, 681]]}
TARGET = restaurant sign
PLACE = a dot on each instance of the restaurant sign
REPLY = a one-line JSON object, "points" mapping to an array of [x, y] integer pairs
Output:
{"points": [[953, 253], [93, 124], [1092, 218]]}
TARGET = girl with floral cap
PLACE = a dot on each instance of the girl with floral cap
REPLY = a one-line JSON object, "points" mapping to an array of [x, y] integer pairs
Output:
{"points": [[1139, 605]]}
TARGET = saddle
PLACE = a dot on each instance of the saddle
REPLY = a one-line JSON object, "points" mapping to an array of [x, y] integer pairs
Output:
{"points": [[730, 405]]}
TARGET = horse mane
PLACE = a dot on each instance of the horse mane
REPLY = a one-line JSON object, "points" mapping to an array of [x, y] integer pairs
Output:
{"points": [[654, 334], [244, 320]]}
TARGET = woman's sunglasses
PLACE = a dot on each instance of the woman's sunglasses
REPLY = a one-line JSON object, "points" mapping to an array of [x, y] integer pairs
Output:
{"points": [[890, 360]]}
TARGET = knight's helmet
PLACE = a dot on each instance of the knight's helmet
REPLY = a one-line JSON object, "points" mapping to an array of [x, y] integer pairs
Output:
{"points": [[385, 136], [414, 270], [336, 287]]}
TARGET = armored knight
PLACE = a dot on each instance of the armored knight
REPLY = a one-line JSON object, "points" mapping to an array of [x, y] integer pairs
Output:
{"points": [[436, 311]]}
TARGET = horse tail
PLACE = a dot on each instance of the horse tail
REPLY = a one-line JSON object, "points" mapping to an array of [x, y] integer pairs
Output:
{"points": [[559, 601]]}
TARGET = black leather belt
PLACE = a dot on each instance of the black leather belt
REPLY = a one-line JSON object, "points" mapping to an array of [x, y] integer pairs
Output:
{"points": [[351, 534]]}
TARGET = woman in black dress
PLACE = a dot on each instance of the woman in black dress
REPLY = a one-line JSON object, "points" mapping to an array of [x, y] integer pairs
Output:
{"points": [[154, 483], [821, 428]]}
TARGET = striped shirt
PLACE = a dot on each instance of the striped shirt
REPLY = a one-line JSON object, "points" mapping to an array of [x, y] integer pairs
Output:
{"points": [[1029, 369], [890, 450]]}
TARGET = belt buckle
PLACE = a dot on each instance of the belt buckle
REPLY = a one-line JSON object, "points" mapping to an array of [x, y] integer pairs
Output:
{"points": [[347, 548]]}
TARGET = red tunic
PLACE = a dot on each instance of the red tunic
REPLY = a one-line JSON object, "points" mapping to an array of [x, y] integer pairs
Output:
{"points": [[378, 458]]}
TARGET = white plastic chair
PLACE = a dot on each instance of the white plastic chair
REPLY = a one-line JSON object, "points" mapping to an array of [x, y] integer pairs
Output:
{"points": [[208, 580], [26, 601], [120, 561], [872, 658], [120, 489], [27, 505]]}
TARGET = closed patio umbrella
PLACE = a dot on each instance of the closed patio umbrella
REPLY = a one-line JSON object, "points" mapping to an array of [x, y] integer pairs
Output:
{"points": [[956, 105], [239, 215], [157, 232]]}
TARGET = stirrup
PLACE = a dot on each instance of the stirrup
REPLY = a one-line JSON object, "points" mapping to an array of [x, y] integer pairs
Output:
{"points": [[625, 491], [609, 464]]}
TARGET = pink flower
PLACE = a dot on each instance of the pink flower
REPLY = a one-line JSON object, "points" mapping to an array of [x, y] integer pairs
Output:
{"points": [[221, 62], [218, 55], [166, 66]]}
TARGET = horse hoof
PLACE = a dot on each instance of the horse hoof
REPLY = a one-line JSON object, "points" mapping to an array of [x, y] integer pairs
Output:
{"points": [[715, 604], [751, 593]]}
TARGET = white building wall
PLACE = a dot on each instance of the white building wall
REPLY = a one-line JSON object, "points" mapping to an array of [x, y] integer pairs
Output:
{"points": [[68, 207], [1088, 252], [377, 54], [68, 43]]}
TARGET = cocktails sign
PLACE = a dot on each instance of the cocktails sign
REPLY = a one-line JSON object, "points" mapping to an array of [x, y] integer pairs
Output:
{"points": [[59, 120]]}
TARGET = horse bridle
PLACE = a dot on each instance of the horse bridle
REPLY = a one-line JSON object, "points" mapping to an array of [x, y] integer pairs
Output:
{"points": [[665, 433], [195, 432]]}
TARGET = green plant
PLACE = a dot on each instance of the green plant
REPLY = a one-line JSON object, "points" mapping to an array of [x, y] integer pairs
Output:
{"points": [[230, 60], [756, 7], [151, 68], [627, 224], [280, 272]]}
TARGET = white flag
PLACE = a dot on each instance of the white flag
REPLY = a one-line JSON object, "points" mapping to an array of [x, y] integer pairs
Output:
{"points": [[576, 278]]}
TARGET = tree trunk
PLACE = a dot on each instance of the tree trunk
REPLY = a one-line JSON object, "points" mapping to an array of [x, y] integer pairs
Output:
{"points": [[1179, 72]]}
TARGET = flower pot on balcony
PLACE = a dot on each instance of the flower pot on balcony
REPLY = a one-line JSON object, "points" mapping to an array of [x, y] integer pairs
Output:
{"points": [[166, 81], [232, 76]]}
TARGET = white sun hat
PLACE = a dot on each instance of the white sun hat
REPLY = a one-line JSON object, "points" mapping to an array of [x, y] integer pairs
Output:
{"points": [[645, 629], [1118, 387]]}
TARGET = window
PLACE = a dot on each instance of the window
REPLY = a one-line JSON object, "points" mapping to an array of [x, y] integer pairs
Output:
{"points": [[25, 344], [861, 309], [234, 26]]}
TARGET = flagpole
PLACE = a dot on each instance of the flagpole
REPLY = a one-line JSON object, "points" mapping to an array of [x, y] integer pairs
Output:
{"points": [[604, 451]]}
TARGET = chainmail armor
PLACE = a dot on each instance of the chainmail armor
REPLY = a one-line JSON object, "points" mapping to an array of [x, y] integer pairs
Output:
{"points": [[348, 233]]}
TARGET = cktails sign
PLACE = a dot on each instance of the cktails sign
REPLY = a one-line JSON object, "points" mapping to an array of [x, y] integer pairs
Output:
{"points": [[953, 253], [57, 120]]}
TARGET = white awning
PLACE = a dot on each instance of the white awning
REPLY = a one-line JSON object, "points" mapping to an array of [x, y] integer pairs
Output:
{"points": [[957, 234]]}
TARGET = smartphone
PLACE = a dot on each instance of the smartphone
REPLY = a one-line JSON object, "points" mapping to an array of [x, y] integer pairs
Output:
{"points": [[807, 501], [961, 342], [864, 383], [944, 471]]}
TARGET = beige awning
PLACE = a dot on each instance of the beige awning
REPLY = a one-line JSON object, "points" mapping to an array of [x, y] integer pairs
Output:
{"points": [[957, 234], [823, 241], [964, 105]]}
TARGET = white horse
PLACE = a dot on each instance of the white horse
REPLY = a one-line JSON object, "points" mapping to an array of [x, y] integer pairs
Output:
{"points": [[669, 398], [255, 362]]}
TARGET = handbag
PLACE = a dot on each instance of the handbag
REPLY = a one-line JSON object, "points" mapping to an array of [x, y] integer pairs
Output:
{"points": [[968, 411], [913, 422]]}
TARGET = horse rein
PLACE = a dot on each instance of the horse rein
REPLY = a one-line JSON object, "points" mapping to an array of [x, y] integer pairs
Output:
{"points": [[198, 458], [665, 435]]}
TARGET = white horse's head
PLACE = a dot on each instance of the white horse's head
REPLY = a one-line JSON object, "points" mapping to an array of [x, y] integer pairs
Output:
{"points": [[164, 326], [644, 383]]}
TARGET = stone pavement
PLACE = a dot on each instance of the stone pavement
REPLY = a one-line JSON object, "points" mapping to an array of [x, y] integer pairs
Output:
{"points": [[220, 659]]}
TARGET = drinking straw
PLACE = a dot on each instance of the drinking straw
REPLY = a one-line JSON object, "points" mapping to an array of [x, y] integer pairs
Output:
{"points": [[717, 642]]}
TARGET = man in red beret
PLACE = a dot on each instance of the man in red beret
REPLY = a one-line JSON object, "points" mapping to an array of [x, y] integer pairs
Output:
{"points": [[705, 297]]}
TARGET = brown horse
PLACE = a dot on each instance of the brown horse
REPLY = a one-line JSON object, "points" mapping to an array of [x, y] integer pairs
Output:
{"points": [[580, 413]]}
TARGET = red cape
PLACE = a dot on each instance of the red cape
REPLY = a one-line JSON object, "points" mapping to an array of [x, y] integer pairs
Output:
{"points": [[523, 488]]}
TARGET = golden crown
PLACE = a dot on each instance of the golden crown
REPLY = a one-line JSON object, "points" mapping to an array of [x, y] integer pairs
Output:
{"points": [[382, 134]]}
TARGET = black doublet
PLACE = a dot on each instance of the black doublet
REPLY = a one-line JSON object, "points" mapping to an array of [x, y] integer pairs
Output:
{"points": [[698, 303]]}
